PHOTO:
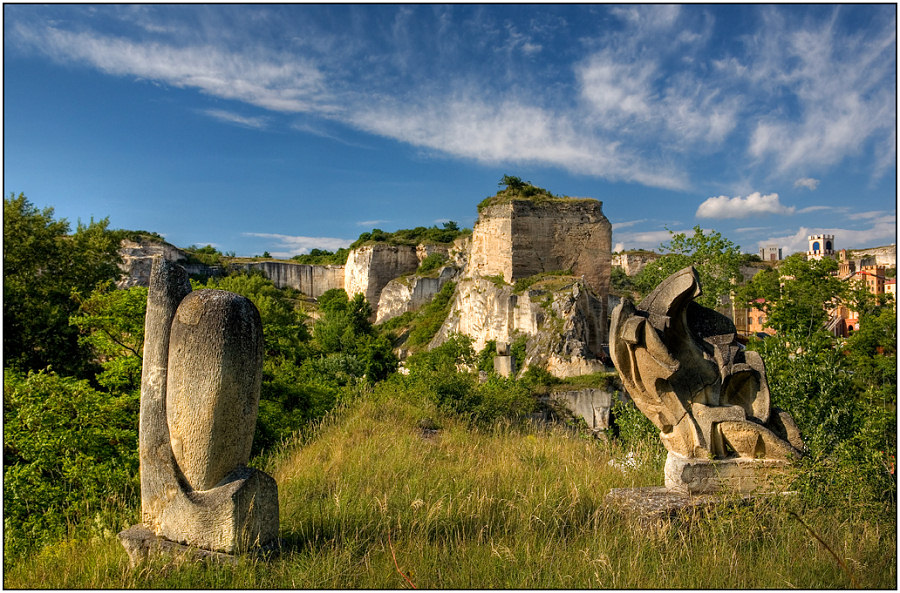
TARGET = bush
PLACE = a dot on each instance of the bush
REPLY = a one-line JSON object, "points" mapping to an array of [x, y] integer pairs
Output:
{"points": [[431, 262], [70, 459]]}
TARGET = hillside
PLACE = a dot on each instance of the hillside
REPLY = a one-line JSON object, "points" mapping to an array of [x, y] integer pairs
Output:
{"points": [[388, 486]]}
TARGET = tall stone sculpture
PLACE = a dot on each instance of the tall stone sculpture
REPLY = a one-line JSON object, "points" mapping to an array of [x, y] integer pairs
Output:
{"points": [[200, 385], [685, 370]]}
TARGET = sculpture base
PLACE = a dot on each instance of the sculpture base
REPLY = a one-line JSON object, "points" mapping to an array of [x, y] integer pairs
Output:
{"points": [[653, 504], [141, 544], [705, 476]]}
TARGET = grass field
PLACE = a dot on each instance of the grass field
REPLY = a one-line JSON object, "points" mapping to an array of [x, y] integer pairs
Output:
{"points": [[370, 500]]}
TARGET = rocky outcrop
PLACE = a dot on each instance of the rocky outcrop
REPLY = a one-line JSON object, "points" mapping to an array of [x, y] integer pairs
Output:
{"points": [[137, 260], [521, 238], [879, 256], [408, 293], [563, 317], [312, 280], [632, 262], [371, 267]]}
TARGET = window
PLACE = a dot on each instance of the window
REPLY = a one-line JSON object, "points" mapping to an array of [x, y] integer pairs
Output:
{"points": [[815, 246]]}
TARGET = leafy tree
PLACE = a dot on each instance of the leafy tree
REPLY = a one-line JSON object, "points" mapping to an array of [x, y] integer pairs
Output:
{"points": [[43, 265], [717, 260], [69, 459], [797, 295], [111, 322]]}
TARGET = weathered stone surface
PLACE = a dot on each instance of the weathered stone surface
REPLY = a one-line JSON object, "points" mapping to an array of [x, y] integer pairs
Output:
{"points": [[137, 260], [214, 377], [710, 476], [409, 293], [520, 238], [685, 370], [205, 351], [140, 544], [311, 280], [591, 404], [632, 262], [371, 267], [505, 365], [651, 505]]}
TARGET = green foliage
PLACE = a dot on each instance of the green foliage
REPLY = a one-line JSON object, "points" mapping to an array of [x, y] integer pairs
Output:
{"points": [[429, 319], [717, 260], [797, 294], [207, 255], [323, 257], [111, 323], [448, 233], [523, 284], [447, 377], [431, 263], [485, 359], [620, 283], [42, 266], [850, 433], [514, 188], [517, 349], [69, 458]]}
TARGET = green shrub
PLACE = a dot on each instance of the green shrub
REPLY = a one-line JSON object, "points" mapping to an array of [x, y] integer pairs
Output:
{"points": [[432, 316], [323, 257], [431, 262], [69, 459]]}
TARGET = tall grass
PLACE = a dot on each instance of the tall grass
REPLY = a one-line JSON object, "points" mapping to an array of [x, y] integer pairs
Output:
{"points": [[372, 494]]}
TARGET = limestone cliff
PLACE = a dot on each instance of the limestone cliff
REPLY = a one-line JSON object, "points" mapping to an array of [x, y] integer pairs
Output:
{"points": [[370, 267], [137, 259], [311, 280], [563, 317], [408, 293]]}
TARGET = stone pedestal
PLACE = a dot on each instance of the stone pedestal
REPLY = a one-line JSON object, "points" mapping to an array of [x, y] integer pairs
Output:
{"points": [[705, 476]]}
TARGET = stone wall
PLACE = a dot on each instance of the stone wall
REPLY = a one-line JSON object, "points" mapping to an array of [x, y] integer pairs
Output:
{"points": [[311, 280]]}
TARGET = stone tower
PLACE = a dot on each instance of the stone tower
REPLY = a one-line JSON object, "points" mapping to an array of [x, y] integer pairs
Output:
{"points": [[820, 246]]}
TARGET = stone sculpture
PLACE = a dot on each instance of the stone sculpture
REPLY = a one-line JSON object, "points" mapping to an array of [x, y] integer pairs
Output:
{"points": [[200, 385], [685, 370]]}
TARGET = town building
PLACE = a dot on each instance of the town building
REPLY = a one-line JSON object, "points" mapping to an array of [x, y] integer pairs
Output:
{"points": [[770, 253], [820, 246]]}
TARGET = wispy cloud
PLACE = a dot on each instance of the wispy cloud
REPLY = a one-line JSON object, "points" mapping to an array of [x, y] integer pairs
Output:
{"points": [[624, 225], [809, 209], [807, 182], [371, 223], [641, 104], [234, 118], [290, 245], [755, 204]]}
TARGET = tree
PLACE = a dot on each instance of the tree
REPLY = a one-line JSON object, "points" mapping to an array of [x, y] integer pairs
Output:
{"points": [[717, 260], [111, 323], [797, 295], [43, 267]]}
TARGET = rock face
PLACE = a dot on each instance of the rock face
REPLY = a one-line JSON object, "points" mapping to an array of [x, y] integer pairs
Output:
{"points": [[632, 262], [521, 238], [137, 260], [408, 293], [590, 404], [564, 317], [200, 383], [308, 279], [371, 267]]}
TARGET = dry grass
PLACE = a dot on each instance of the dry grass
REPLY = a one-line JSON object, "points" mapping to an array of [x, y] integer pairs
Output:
{"points": [[371, 496]]}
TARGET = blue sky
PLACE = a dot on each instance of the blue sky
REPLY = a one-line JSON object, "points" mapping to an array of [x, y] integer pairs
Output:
{"points": [[286, 127]]}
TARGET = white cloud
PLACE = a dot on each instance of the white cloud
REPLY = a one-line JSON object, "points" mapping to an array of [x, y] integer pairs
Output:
{"points": [[842, 88], [809, 209], [882, 232], [625, 225], [227, 116], [296, 245], [619, 248], [737, 207], [371, 223], [645, 239], [807, 182]]}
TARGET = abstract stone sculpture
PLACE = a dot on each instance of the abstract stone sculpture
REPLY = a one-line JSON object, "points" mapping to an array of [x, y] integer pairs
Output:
{"points": [[200, 385], [685, 370]]}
